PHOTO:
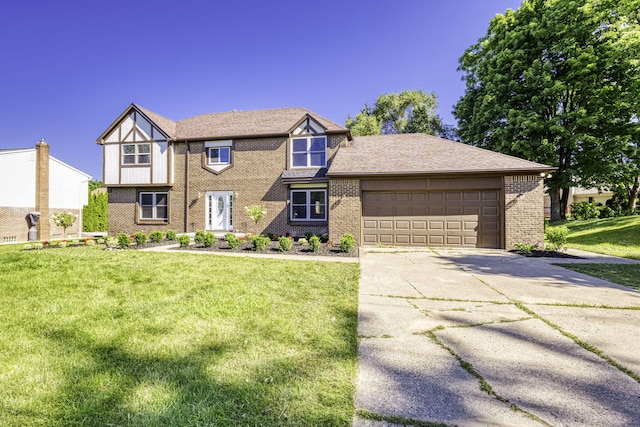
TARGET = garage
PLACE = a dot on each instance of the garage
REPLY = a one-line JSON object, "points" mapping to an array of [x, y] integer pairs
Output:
{"points": [[464, 218]]}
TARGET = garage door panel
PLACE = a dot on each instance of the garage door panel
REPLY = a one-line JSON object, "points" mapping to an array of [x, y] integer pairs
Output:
{"points": [[452, 218]]}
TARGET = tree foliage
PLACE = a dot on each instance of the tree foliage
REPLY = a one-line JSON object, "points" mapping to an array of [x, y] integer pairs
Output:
{"points": [[556, 82], [411, 111], [95, 213]]}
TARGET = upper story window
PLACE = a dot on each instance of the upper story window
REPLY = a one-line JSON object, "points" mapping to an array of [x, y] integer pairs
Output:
{"points": [[219, 155], [154, 206], [136, 154], [309, 152]]}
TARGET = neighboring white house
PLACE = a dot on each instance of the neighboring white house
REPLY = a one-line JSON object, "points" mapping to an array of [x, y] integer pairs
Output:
{"points": [[33, 181], [577, 195]]}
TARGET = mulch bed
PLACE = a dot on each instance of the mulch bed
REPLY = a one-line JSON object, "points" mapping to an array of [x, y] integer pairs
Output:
{"points": [[546, 254], [221, 245]]}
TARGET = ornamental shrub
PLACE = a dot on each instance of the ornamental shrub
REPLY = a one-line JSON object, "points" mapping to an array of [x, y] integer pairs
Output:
{"points": [[171, 235], [286, 243], [140, 238], [314, 243], [156, 236], [585, 210], [38, 245], [259, 243], [557, 236], [184, 240], [90, 242], [123, 240], [208, 239], [303, 241], [347, 243], [255, 212], [232, 240], [199, 237]]}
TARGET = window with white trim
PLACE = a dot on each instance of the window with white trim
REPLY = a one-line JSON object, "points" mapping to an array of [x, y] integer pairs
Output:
{"points": [[308, 205], [154, 206], [136, 154], [309, 152], [219, 155]]}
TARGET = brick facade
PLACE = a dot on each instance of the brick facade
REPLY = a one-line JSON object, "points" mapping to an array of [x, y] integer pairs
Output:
{"points": [[524, 210], [42, 189], [345, 208], [254, 179]]}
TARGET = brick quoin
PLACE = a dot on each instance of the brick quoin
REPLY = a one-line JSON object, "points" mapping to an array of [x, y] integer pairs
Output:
{"points": [[524, 213]]}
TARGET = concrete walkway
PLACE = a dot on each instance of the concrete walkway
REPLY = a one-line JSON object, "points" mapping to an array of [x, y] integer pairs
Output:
{"points": [[479, 338]]}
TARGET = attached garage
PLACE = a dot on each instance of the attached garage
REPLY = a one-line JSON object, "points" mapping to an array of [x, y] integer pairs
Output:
{"points": [[468, 218], [420, 190]]}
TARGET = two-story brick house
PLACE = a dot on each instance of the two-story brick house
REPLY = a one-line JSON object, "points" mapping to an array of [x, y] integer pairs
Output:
{"points": [[310, 174]]}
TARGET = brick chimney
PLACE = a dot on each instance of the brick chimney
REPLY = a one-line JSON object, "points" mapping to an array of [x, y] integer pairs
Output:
{"points": [[42, 190]]}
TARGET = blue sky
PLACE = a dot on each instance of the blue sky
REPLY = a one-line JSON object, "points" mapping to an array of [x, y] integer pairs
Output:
{"points": [[69, 68]]}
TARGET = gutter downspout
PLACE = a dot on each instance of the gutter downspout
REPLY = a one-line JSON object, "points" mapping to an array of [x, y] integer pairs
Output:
{"points": [[186, 187]]}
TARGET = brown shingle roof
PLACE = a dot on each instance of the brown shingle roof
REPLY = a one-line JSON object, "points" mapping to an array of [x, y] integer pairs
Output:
{"points": [[166, 125], [410, 154]]}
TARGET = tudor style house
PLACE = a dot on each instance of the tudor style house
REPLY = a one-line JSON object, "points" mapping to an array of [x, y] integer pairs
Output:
{"points": [[310, 175]]}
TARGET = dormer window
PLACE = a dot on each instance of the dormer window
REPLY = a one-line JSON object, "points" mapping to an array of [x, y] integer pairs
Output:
{"points": [[217, 156], [309, 152], [136, 154]]}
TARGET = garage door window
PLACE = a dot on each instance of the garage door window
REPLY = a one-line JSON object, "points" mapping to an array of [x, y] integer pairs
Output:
{"points": [[308, 205]]}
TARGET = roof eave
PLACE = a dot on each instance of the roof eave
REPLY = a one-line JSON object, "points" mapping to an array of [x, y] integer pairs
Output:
{"points": [[542, 170]]}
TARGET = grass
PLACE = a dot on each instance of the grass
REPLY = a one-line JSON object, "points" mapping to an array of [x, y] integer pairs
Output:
{"points": [[610, 236], [92, 337], [622, 274]]}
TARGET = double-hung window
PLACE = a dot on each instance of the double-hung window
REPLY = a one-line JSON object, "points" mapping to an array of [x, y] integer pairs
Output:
{"points": [[309, 152], [136, 154], [219, 155], [309, 205], [154, 206]]}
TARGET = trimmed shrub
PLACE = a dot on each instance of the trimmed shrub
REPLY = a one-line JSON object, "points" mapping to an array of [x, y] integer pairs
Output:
{"points": [[303, 241], [285, 244], [347, 243], [62, 244], [156, 236], [123, 240], [232, 240], [259, 243], [208, 239], [38, 245], [140, 238], [184, 241], [171, 235], [27, 247], [585, 210], [90, 242], [557, 236], [314, 243], [199, 237]]}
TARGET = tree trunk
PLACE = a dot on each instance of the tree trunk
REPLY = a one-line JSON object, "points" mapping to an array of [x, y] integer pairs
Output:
{"points": [[633, 196], [554, 195], [563, 202]]}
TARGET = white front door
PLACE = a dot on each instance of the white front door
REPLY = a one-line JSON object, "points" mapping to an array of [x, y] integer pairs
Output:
{"points": [[219, 211]]}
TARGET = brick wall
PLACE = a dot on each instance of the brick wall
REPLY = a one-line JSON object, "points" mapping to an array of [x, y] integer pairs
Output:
{"points": [[345, 208], [524, 210], [42, 189], [14, 226], [254, 178]]}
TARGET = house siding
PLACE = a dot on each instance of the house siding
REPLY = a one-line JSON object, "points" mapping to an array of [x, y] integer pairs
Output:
{"points": [[524, 216]]}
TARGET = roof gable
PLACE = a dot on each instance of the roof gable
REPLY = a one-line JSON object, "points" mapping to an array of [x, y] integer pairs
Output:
{"points": [[138, 125], [410, 154]]}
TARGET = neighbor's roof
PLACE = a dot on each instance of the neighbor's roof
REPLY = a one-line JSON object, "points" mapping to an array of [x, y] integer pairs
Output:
{"points": [[234, 124], [418, 153]]}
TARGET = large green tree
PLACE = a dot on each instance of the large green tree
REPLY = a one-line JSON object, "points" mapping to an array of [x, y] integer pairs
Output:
{"points": [[409, 111], [555, 82]]}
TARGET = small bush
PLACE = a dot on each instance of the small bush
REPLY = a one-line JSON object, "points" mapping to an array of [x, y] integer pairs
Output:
{"points": [[140, 238], [62, 244], [208, 239], [232, 240], [27, 247], [557, 237], [285, 244], [184, 241], [156, 236], [171, 235], [259, 243], [90, 242], [525, 248], [308, 235], [347, 243], [585, 210], [111, 242], [607, 212], [123, 240], [38, 246], [303, 241], [314, 243], [199, 237]]}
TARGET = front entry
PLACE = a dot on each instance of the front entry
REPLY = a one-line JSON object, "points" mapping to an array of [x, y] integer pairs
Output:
{"points": [[219, 211]]}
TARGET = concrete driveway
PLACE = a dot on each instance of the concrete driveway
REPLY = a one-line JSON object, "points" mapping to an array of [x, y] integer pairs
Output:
{"points": [[478, 338]]}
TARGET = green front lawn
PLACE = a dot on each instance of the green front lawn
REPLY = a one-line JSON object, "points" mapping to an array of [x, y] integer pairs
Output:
{"points": [[622, 274], [92, 337], [611, 236]]}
